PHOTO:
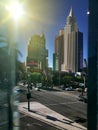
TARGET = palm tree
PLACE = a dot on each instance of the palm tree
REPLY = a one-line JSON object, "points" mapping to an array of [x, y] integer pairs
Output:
{"points": [[3, 58], [8, 58]]}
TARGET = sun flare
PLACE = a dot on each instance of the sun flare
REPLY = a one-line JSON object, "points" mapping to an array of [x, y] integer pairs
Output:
{"points": [[16, 10]]}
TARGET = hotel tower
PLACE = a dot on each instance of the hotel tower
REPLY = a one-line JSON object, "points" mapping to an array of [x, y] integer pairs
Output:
{"points": [[73, 45]]}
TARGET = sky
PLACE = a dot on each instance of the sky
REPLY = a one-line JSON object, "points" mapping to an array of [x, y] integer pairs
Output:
{"points": [[48, 17]]}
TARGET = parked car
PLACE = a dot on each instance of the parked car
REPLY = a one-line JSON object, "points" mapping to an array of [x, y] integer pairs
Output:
{"points": [[38, 85], [69, 89], [79, 89], [82, 98], [37, 89], [85, 90]]}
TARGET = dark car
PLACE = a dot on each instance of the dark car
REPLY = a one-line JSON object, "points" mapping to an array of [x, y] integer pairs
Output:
{"points": [[82, 98]]}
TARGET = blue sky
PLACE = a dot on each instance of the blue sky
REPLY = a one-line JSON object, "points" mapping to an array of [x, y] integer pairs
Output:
{"points": [[48, 17]]}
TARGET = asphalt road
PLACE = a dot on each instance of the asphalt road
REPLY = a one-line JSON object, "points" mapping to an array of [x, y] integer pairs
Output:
{"points": [[63, 102]]}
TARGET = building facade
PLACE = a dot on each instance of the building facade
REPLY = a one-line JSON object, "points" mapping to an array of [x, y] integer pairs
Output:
{"points": [[73, 45], [36, 53], [59, 50], [69, 46]]}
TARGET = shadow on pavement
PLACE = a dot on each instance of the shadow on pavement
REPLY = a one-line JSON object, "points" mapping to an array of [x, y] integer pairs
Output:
{"points": [[65, 121], [68, 122], [80, 120]]}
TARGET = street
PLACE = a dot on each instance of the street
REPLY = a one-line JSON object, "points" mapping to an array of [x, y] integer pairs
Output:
{"points": [[63, 102]]}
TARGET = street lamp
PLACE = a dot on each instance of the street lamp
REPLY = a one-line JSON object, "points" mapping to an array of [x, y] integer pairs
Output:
{"points": [[28, 94]]}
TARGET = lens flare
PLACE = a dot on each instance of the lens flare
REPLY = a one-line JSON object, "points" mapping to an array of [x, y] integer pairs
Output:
{"points": [[15, 9]]}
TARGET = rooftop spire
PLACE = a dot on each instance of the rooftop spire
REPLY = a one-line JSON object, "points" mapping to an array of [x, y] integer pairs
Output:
{"points": [[71, 12], [71, 20]]}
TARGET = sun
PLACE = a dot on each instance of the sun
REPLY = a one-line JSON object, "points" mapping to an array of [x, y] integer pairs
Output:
{"points": [[15, 9]]}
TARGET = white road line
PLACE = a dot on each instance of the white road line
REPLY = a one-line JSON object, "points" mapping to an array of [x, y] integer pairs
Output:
{"points": [[70, 103], [56, 104]]}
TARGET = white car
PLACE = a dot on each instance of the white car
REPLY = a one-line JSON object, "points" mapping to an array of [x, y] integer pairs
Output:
{"points": [[37, 89], [79, 89], [38, 85], [85, 90], [69, 89]]}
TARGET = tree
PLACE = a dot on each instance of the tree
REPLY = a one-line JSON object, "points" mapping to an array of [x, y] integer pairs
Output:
{"points": [[36, 77], [6, 54], [55, 78], [67, 80], [21, 71], [4, 58], [79, 79]]}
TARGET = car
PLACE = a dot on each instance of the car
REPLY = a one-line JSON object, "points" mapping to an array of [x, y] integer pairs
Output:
{"points": [[79, 89], [82, 98], [85, 90], [69, 89], [37, 88], [18, 90], [38, 85], [81, 84], [63, 87]]}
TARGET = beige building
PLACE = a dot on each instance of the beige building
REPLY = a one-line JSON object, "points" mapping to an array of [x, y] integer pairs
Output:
{"points": [[73, 45], [69, 47]]}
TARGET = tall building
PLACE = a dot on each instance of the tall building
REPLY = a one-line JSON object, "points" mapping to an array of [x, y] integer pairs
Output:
{"points": [[36, 53], [59, 50], [73, 45], [68, 54]]}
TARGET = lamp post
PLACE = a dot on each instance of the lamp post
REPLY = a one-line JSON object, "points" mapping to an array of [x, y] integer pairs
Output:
{"points": [[28, 94]]}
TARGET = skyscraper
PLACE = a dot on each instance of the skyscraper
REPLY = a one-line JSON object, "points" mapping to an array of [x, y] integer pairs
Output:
{"points": [[59, 51], [69, 47], [73, 45], [36, 53]]}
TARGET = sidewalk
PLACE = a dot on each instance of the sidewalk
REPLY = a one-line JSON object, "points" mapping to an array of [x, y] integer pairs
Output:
{"points": [[44, 114]]}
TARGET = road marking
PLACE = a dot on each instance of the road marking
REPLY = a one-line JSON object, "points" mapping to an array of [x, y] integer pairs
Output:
{"points": [[70, 103], [54, 104], [63, 103]]}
